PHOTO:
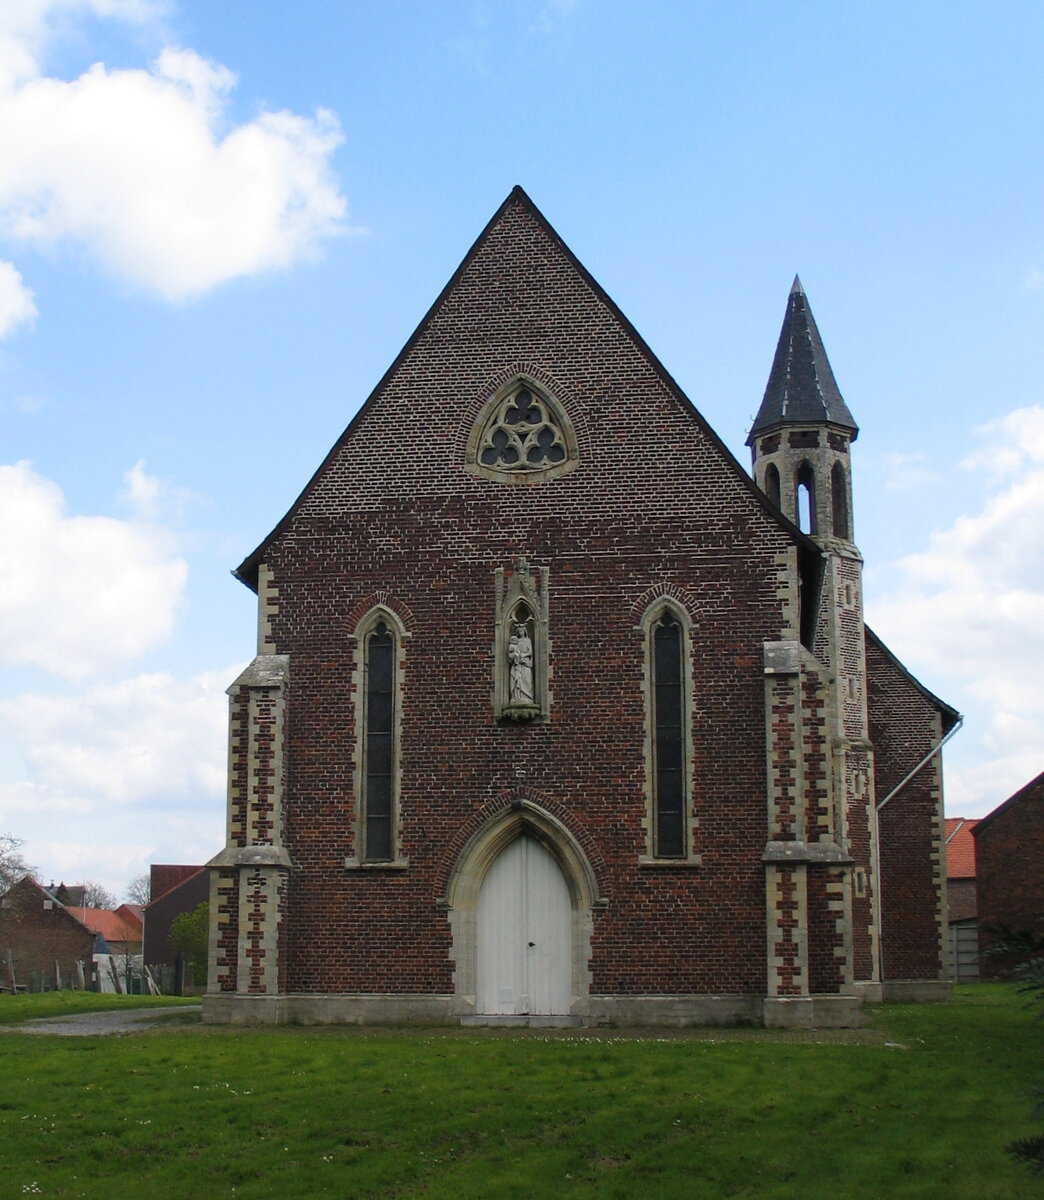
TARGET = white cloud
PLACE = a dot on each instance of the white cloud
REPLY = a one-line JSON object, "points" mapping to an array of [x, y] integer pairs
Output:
{"points": [[17, 307], [908, 472], [145, 741], [550, 13], [138, 167], [118, 775], [1018, 438], [26, 26], [79, 593], [150, 498], [967, 615], [142, 490], [26, 404]]}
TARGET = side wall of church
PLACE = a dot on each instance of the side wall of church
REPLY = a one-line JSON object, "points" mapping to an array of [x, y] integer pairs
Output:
{"points": [[1009, 855], [904, 727]]}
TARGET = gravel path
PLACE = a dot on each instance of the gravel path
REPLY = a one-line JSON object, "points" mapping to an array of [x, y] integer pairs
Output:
{"points": [[142, 1020], [136, 1020]]}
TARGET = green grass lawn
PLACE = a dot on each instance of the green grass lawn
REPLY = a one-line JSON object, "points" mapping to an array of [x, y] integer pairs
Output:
{"points": [[922, 1109], [15, 1009]]}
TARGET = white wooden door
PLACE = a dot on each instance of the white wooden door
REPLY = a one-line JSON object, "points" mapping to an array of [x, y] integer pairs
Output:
{"points": [[524, 934]]}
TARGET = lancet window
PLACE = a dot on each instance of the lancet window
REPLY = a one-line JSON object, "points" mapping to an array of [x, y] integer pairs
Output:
{"points": [[668, 734], [378, 689]]}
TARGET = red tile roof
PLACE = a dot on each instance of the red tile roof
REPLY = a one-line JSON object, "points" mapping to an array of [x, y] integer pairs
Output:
{"points": [[960, 848], [113, 926]]}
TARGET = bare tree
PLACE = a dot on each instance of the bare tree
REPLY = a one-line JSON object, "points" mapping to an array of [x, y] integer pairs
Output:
{"points": [[139, 890], [96, 895], [12, 865]]}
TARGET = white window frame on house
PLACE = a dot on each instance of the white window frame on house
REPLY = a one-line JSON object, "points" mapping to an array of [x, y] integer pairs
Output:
{"points": [[364, 634], [685, 854]]}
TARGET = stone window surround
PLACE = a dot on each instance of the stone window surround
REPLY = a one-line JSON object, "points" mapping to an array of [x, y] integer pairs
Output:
{"points": [[366, 626], [646, 626]]}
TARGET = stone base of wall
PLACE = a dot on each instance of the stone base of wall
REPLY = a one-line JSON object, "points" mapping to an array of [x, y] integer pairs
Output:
{"points": [[868, 993], [354, 1009], [672, 1011], [812, 1012], [917, 991], [522, 1021], [593, 1011]]}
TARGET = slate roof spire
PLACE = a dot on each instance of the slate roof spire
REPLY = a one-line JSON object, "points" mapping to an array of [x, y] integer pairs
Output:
{"points": [[801, 389]]}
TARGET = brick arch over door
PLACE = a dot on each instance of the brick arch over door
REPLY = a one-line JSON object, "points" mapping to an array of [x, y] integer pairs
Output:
{"points": [[522, 819]]}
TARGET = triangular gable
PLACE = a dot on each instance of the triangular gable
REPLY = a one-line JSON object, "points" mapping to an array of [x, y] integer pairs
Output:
{"points": [[27, 896], [950, 715], [517, 248], [1021, 794]]}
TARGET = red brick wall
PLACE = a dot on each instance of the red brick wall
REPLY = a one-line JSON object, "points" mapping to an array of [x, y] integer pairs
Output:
{"points": [[904, 726], [859, 842], [1009, 856], [226, 887], [37, 936], [184, 896], [655, 502], [825, 939], [961, 899]]}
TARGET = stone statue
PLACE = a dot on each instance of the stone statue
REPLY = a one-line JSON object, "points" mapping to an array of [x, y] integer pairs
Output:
{"points": [[520, 658]]}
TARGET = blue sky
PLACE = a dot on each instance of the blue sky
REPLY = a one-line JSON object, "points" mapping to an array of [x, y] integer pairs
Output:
{"points": [[220, 222]]}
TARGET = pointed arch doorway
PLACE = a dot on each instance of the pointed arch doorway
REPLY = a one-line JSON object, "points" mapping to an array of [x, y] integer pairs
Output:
{"points": [[524, 935], [522, 878]]}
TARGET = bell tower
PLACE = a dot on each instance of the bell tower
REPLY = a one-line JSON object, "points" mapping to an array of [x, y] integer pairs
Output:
{"points": [[801, 436], [800, 445]]}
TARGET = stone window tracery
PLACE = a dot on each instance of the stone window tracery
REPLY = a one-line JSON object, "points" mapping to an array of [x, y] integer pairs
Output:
{"points": [[522, 435]]}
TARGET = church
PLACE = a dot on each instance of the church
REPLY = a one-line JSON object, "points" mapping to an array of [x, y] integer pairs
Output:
{"points": [[558, 716]]}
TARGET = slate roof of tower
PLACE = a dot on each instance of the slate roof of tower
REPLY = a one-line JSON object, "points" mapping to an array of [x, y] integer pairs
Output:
{"points": [[801, 388]]}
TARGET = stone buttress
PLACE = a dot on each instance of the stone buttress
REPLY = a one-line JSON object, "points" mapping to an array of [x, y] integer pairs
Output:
{"points": [[248, 881]]}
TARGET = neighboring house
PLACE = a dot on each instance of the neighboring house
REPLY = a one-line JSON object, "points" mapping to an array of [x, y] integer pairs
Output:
{"points": [[42, 944], [559, 716], [961, 899], [1009, 855], [176, 890], [120, 927], [72, 896]]}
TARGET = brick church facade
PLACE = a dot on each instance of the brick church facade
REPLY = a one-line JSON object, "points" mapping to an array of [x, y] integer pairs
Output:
{"points": [[559, 716]]}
